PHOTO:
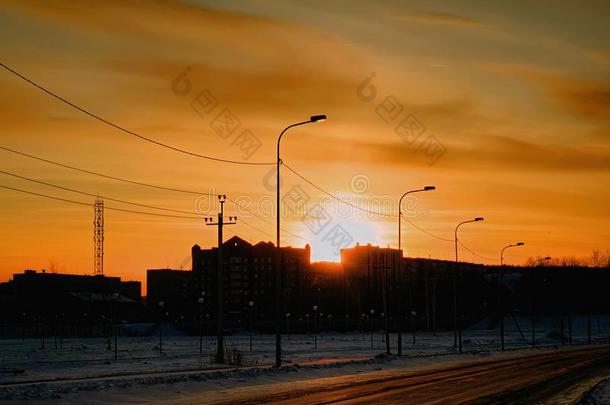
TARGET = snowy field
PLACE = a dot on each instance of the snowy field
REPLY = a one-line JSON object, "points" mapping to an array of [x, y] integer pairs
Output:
{"points": [[24, 363], [598, 395]]}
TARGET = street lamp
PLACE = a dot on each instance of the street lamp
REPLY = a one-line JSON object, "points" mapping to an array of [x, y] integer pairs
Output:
{"points": [[544, 259], [278, 321], [288, 323], [372, 313], [413, 324], [115, 297], [426, 188], [457, 332], [315, 326], [477, 219], [161, 304], [533, 298], [251, 306], [200, 300], [502, 291], [507, 247]]}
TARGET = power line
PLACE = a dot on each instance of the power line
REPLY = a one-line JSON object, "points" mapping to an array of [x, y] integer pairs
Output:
{"points": [[167, 215], [119, 200], [125, 130], [475, 253], [95, 195], [259, 230], [361, 208], [383, 214], [419, 228], [249, 211], [193, 192], [138, 183], [110, 199], [253, 227], [264, 219], [176, 149], [91, 205]]}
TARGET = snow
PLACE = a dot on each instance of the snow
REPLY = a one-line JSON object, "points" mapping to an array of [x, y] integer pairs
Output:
{"points": [[599, 394], [28, 372]]}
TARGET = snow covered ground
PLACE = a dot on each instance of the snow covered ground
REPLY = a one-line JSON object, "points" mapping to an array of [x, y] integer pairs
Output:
{"points": [[28, 372], [598, 395]]}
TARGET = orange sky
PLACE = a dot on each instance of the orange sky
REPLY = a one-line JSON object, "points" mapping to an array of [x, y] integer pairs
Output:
{"points": [[518, 96]]}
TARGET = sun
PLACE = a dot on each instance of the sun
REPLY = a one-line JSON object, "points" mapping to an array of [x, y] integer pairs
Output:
{"points": [[329, 234]]}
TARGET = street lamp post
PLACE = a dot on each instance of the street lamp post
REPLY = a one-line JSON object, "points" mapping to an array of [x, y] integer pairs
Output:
{"points": [[457, 332], [533, 314], [315, 326], [161, 304], [278, 261], [508, 247], [200, 300], [501, 306], [372, 313], [251, 306], [544, 259], [399, 316], [288, 323], [115, 297]]}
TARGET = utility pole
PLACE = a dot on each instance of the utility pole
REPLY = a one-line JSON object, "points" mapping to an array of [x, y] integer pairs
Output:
{"points": [[219, 276]]}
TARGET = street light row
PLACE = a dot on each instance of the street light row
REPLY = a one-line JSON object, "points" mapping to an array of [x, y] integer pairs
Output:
{"points": [[278, 341]]}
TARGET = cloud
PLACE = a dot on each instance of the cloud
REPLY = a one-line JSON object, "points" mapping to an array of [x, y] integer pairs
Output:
{"points": [[599, 56], [584, 98], [434, 17], [587, 100], [263, 69], [482, 153]]}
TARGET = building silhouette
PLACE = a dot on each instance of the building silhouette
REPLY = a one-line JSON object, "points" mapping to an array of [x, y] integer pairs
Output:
{"points": [[172, 287], [248, 275], [411, 293], [44, 299], [373, 275]]}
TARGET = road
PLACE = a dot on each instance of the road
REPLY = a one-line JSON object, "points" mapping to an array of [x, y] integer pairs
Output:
{"points": [[537, 378]]}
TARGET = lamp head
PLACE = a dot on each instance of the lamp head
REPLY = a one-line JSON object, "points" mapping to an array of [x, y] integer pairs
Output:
{"points": [[479, 219], [520, 244], [428, 188], [317, 118]]}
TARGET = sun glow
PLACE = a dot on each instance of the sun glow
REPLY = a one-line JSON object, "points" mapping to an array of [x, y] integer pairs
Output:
{"points": [[327, 236]]}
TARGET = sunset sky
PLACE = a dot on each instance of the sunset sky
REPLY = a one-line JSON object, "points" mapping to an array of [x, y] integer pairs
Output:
{"points": [[517, 94]]}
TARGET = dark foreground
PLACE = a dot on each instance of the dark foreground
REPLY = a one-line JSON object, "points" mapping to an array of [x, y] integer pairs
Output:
{"points": [[550, 377]]}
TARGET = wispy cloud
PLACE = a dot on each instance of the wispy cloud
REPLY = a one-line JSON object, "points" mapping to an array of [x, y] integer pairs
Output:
{"points": [[586, 98], [434, 17]]}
